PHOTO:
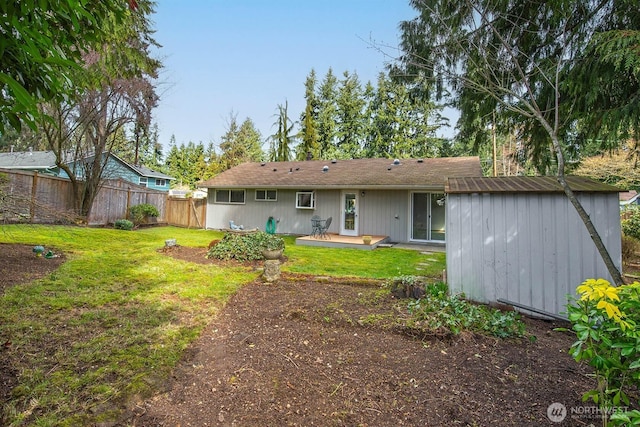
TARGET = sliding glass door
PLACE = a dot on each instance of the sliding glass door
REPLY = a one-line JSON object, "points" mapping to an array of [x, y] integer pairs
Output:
{"points": [[428, 217]]}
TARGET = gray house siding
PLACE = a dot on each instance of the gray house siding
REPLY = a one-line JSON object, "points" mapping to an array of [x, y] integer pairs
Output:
{"points": [[254, 214], [382, 213], [528, 248], [385, 213]]}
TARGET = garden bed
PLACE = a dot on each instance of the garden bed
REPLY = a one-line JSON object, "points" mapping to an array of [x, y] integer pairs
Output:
{"points": [[322, 351]]}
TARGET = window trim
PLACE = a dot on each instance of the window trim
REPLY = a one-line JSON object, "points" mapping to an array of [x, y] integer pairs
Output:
{"points": [[161, 182], [144, 181], [313, 199], [229, 192], [266, 195]]}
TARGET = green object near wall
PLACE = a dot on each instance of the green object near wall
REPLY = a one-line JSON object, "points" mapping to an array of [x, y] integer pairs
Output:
{"points": [[270, 227]]}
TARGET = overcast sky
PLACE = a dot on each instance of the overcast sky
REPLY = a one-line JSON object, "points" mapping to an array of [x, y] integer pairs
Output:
{"points": [[248, 56]]}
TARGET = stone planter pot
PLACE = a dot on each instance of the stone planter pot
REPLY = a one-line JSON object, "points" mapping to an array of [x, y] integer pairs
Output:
{"points": [[366, 240], [272, 253]]}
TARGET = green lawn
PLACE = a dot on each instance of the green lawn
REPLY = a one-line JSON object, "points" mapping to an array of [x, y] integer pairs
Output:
{"points": [[113, 321]]}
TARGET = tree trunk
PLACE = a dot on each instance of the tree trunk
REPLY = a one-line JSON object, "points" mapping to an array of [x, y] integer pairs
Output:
{"points": [[584, 216], [595, 236]]}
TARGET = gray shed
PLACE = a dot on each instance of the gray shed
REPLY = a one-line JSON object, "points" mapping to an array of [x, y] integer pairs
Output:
{"points": [[520, 239]]}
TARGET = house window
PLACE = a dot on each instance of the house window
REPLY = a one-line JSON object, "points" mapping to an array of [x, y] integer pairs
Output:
{"points": [[161, 182], [230, 196], [305, 200], [143, 181], [267, 195]]}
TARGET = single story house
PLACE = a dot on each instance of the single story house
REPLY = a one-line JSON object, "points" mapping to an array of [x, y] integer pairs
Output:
{"points": [[520, 240], [44, 162], [403, 200]]}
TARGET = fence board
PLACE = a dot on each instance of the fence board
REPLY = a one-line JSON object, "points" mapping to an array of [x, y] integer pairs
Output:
{"points": [[188, 213]]}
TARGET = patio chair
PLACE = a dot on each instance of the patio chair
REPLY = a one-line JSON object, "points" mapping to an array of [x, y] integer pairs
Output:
{"points": [[316, 224], [324, 226]]}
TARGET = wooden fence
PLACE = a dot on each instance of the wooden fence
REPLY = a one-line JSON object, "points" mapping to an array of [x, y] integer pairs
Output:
{"points": [[190, 213], [37, 198]]}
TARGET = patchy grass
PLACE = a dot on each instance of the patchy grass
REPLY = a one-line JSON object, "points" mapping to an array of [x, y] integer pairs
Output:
{"points": [[108, 326]]}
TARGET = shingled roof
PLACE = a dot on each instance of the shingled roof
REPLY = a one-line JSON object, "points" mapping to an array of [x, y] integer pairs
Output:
{"points": [[359, 173], [28, 160], [524, 184]]}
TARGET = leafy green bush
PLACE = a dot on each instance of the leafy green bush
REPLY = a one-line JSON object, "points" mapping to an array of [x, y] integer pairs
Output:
{"points": [[123, 224], [631, 225], [140, 213], [438, 313], [245, 246], [605, 321]]}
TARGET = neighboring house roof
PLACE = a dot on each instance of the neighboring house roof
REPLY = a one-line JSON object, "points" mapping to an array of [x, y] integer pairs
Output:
{"points": [[149, 173], [47, 160], [524, 184], [359, 173], [628, 197], [28, 160]]}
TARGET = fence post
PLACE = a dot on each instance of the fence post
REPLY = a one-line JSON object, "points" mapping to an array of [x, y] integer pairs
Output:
{"points": [[126, 212], [188, 213], [34, 192], [195, 212]]}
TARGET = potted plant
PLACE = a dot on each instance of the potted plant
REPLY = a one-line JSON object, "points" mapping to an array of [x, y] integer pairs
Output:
{"points": [[366, 240], [272, 245]]}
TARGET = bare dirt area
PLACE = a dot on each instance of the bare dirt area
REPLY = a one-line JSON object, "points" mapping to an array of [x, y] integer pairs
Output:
{"points": [[311, 351], [19, 264], [317, 351]]}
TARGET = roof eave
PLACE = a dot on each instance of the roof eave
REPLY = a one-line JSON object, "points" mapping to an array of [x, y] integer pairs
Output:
{"points": [[330, 187]]}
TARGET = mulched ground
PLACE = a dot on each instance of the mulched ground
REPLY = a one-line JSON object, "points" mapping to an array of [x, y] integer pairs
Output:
{"points": [[323, 352]]}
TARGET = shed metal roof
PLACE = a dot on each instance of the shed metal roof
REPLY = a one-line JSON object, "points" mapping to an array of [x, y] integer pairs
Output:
{"points": [[358, 173], [524, 184]]}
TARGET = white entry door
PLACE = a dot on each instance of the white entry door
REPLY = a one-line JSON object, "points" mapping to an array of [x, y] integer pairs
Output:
{"points": [[349, 217]]}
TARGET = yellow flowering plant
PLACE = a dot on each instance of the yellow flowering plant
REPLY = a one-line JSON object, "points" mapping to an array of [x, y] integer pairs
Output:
{"points": [[605, 321]]}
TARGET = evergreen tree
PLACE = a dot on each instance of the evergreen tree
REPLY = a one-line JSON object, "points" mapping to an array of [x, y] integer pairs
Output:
{"points": [[524, 62], [350, 127], [402, 125], [309, 146], [327, 115], [240, 144], [282, 140]]}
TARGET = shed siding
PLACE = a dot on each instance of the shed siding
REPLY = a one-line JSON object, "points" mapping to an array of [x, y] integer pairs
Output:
{"points": [[528, 248]]}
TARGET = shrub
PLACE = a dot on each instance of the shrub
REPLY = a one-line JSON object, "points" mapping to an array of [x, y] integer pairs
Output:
{"points": [[245, 246], [271, 241], [438, 313], [123, 224], [631, 225], [605, 322], [140, 213]]}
